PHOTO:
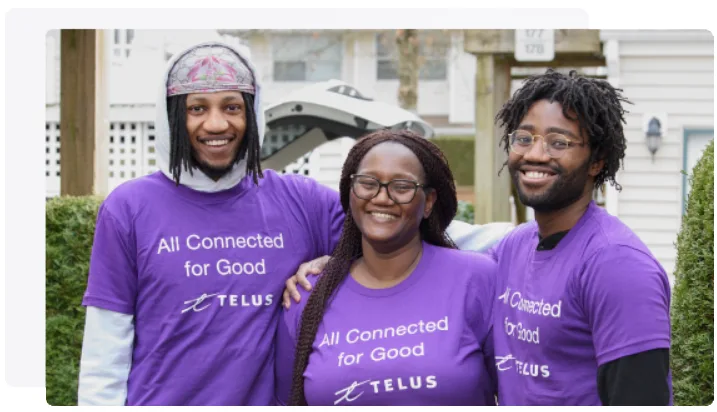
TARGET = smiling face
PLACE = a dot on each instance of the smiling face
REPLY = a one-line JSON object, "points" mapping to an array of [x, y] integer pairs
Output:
{"points": [[544, 183], [381, 220], [216, 123]]}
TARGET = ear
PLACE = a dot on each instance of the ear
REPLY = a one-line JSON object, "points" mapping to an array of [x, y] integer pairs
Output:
{"points": [[596, 167], [431, 198]]}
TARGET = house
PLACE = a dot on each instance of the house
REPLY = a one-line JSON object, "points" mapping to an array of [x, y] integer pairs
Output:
{"points": [[668, 75], [286, 61]]}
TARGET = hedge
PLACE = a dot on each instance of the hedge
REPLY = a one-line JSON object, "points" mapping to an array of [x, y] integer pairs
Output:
{"points": [[70, 223], [692, 353], [459, 151], [69, 231], [465, 212]]}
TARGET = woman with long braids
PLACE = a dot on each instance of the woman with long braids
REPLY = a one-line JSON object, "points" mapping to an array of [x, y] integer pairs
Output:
{"points": [[399, 315]]}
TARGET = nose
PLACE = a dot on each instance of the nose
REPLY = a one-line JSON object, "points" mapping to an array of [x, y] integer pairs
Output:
{"points": [[537, 152], [382, 197], [216, 123]]}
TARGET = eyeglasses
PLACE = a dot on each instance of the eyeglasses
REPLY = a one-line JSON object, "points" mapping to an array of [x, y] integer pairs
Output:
{"points": [[554, 144], [401, 191]]}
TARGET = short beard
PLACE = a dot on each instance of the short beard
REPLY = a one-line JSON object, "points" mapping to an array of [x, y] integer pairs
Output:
{"points": [[213, 172], [568, 189]]}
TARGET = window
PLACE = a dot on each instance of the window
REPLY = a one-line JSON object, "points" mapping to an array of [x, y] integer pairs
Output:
{"points": [[433, 51], [306, 57], [349, 91], [121, 44], [695, 142]]}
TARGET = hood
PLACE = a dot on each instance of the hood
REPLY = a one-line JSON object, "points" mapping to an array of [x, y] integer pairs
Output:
{"points": [[197, 180]]}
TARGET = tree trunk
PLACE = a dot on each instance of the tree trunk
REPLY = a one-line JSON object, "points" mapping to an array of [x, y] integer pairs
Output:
{"points": [[407, 42]]}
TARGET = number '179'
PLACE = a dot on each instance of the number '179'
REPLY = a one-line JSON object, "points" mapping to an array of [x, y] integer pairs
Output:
{"points": [[534, 48]]}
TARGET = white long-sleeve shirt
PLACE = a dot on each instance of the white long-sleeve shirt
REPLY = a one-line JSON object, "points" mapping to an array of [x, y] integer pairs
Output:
{"points": [[106, 357]]}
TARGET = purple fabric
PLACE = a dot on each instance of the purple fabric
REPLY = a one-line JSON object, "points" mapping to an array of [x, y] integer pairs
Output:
{"points": [[203, 275], [560, 314], [425, 341]]}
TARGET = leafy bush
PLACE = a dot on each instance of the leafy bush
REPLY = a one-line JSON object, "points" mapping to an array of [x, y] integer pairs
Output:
{"points": [[692, 353], [465, 212], [69, 231]]}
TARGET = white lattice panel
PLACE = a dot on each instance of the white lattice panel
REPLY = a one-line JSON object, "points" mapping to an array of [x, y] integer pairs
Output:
{"points": [[125, 157], [52, 159], [132, 154], [149, 156]]}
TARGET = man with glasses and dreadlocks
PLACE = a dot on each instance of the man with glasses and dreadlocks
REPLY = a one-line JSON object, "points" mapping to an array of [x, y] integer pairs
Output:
{"points": [[582, 309]]}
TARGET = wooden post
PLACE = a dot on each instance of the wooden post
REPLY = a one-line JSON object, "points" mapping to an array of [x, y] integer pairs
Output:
{"points": [[102, 116], [492, 192], [83, 127]]}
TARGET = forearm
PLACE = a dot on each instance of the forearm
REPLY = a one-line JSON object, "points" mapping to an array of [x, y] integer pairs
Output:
{"points": [[639, 379], [106, 357]]}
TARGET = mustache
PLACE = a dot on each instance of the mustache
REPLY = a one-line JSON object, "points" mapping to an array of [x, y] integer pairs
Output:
{"points": [[556, 169]]}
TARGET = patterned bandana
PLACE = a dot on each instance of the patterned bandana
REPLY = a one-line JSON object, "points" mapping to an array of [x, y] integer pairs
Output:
{"points": [[207, 69]]}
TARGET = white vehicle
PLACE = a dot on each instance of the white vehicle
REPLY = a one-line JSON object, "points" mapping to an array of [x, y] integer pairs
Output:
{"points": [[325, 111], [334, 109]]}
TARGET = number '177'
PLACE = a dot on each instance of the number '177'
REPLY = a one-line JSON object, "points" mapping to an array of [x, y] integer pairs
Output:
{"points": [[534, 33]]}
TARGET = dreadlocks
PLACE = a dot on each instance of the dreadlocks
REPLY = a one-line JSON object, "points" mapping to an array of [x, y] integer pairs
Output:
{"points": [[432, 230], [180, 154], [597, 107]]}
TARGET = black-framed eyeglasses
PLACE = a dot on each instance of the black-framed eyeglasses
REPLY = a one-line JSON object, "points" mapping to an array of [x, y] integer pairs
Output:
{"points": [[401, 191], [554, 144]]}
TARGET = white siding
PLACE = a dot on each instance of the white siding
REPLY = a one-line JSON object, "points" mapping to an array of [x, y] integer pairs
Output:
{"points": [[462, 80], [52, 67], [660, 72], [359, 69], [330, 160]]}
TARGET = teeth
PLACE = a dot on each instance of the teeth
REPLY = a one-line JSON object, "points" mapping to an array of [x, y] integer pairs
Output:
{"points": [[536, 175], [216, 142], [383, 216]]}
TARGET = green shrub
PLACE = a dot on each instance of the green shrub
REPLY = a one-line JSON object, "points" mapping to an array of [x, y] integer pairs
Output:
{"points": [[69, 231], [465, 212], [459, 151], [692, 353]]}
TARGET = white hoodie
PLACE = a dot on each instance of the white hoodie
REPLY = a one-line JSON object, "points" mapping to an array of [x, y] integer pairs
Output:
{"points": [[198, 180]]}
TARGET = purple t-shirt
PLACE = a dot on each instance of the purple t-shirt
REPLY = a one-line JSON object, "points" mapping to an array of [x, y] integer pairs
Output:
{"points": [[203, 275], [425, 341], [597, 296]]}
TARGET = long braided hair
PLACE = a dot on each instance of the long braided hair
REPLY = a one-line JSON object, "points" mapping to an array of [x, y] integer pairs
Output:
{"points": [[598, 110], [180, 154], [438, 177]]}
